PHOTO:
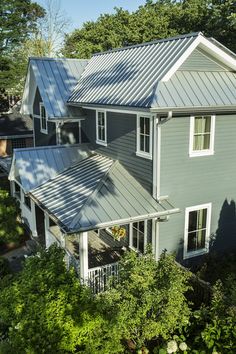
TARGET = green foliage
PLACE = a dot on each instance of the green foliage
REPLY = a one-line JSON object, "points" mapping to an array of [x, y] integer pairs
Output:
{"points": [[4, 267], [155, 20], [17, 21], [149, 302], [43, 308], [10, 229]]}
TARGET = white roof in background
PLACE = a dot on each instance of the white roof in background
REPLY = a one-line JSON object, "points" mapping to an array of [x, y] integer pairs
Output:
{"points": [[130, 76], [55, 79], [35, 166], [96, 193]]}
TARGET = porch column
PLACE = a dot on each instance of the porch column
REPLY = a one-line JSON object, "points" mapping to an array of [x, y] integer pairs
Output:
{"points": [[34, 227], [83, 255], [46, 226]]}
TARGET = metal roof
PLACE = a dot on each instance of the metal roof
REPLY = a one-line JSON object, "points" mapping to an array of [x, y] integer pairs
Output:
{"points": [[56, 78], [96, 193], [195, 89], [35, 166], [128, 76]]}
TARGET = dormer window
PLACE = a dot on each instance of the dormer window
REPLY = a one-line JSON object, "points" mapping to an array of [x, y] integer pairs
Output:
{"points": [[202, 131], [101, 128], [43, 119], [144, 136]]}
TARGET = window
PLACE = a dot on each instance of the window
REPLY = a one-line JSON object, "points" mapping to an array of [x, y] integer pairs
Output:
{"points": [[43, 119], [144, 136], [18, 143], [101, 128], [197, 230], [27, 202], [202, 131], [138, 235]]}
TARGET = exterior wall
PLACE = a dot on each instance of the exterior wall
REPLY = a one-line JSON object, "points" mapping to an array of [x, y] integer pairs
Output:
{"points": [[70, 133], [42, 139], [121, 144], [199, 180]]}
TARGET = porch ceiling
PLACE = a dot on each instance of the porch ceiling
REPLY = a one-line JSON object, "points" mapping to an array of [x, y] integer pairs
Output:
{"points": [[98, 192]]}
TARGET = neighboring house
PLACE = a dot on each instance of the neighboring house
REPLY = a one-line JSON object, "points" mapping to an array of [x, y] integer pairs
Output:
{"points": [[16, 131], [157, 124]]}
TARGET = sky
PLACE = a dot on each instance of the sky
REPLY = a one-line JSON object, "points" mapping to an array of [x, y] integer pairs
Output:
{"points": [[80, 11]]}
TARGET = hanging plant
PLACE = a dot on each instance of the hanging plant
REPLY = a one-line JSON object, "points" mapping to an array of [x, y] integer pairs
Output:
{"points": [[118, 232]]}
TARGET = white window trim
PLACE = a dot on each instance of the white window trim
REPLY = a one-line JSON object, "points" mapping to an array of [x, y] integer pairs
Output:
{"points": [[204, 250], [131, 236], [138, 151], [207, 152], [98, 141], [44, 131]]}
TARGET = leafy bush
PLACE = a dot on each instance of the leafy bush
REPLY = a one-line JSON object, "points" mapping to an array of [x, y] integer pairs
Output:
{"points": [[4, 267], [10, 228], [148, 302]]}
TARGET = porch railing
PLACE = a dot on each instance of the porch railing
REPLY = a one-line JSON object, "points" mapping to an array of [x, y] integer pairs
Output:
{"points": [[98, 278]]}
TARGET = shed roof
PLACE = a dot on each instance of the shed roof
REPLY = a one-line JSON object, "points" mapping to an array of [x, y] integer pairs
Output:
{"points": [[34, 166], [96, 193], [55, 78], [130, 76]]}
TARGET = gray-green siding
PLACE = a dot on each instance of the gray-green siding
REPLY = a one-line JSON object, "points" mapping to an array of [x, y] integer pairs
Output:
{"points": [[199, 180], [121, 144], [202, 61]]}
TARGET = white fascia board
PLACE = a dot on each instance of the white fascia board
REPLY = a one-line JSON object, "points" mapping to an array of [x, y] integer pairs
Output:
{"points": [[29, 93], [199, 109], [207, 46]]}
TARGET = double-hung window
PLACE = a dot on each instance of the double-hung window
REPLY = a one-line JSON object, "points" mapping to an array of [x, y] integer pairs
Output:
{"points": [[197, 230], [202, 131], [138, 236], [43, 119], [144, 136], [101, 128]]}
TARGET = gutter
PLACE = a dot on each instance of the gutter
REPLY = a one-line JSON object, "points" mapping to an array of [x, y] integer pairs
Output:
{"points": [[198, 109], [125, 221]]}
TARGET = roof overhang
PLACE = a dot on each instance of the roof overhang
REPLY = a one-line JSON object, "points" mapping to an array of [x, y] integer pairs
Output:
{"points": [[109, 108], [191, 110]]}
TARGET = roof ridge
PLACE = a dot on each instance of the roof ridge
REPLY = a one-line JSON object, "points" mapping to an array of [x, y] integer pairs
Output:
{"points": [[99, 185], [181, 36], [55, 59]]}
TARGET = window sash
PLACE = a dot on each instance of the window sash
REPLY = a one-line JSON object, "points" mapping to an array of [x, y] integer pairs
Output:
{"points": [[101, 135], [197, 230], [43, 118], [138, 235], [144, 136], [202, 131]]}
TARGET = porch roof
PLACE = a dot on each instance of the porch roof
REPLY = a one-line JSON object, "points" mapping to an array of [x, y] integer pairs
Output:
{"points": [[96, 193]]}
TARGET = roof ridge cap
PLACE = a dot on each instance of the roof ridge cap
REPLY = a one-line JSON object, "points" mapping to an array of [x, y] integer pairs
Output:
{"points": [[181, 36]]}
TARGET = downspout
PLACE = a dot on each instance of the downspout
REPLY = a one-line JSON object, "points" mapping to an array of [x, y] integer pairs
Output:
{"points": [[157, 122]]}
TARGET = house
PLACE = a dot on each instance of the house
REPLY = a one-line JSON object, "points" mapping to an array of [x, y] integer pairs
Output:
{"points": [[16, 131], [142, 137]]}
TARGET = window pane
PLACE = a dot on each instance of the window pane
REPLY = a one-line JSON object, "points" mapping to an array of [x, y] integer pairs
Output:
{"points": [[141, 226], [198, 142], [142, 142], [142, 120], [147, 144], [141, 242], [206, 124], [135, 237], [202, 215], [206, 142], [198, 128], [192, 224], [147, 126], [192, 237], [201, 238]]}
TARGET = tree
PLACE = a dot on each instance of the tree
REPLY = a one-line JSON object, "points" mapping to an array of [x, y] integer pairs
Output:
{"points": [[148, 302], [17, 21], [45, 309], [154, 20], [10, 228]]}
